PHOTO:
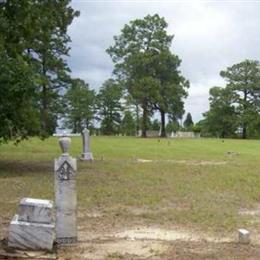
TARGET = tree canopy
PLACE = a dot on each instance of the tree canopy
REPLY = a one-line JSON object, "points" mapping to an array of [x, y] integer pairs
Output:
{"points": [[147, 68], [80, 104], [237, 105], [33, 45], [243, 80], [188, 122], [110, 107]]}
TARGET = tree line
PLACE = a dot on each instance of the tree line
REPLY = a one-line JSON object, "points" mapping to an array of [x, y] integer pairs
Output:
{"points": [[234, 109], [111, 108], [37, 92]]}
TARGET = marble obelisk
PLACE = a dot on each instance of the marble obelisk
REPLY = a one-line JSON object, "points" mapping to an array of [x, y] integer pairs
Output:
{"points": [[65, 169], [86, 154]]}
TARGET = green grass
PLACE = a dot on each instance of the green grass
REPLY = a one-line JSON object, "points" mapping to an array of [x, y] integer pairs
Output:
{"points": [[207, 196]]}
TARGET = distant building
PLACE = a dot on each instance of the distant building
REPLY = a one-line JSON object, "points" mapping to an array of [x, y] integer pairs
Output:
{"points": [[180, 134], [149, 133]]}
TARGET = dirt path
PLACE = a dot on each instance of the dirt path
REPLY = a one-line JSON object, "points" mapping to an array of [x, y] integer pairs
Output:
{"points": [[156, 243], [103, 236]]}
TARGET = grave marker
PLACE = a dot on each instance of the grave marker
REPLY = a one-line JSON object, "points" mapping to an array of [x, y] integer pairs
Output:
{"points": [[65, 168]]}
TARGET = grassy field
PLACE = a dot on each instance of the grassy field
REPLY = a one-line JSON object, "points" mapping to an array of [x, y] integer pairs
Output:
{"points": [[193, 183]]}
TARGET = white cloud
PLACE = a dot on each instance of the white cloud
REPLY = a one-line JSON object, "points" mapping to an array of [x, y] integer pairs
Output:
{"points": [[209, 36]]}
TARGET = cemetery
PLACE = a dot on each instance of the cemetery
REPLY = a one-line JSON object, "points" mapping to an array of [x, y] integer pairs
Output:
{"points": [[129, 130], [138, 199]]}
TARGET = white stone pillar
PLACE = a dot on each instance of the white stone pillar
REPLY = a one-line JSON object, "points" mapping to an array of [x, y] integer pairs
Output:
{"points": [[86, 155], [65, 169]]}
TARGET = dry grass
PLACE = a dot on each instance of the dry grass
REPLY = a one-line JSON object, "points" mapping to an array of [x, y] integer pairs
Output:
{"points": [[163, 192]]}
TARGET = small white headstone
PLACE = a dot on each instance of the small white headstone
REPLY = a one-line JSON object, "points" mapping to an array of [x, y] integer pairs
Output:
{"points": [[33, 227], [243, 236], [35, 210]]}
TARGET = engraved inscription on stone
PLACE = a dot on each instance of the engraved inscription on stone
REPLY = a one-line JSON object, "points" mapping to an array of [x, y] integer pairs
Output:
{"points": [[65, 172], [66, 240]]}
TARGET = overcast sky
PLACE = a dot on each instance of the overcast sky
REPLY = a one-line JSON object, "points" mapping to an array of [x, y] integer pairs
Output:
{"points": [[208, 37]]}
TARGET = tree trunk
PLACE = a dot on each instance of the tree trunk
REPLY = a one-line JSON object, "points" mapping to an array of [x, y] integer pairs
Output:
{"points": [[144, 121], [137, 119], [163, 132], [244, 125], [44, 111], [244, 132], [44, 108]]}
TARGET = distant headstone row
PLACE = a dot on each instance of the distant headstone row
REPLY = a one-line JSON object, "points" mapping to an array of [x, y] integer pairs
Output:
{"points": [[181, 134]]}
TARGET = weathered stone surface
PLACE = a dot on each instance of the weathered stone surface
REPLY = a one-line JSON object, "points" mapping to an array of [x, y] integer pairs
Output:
{"points": [[64, 143], [243, 236], [66, 199], [86, 154], [87, 157], [35, 210], [34, 236]]}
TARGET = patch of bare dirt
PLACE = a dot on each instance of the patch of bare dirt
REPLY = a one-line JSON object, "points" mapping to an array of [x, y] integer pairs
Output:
{"points": [[204, 250], [184, 162], [153, 233], [155, 243], [115, 249], [250, 212]]}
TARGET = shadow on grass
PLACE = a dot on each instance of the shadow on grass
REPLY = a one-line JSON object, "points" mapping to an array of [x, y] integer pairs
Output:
{"points": [[12, 168]]}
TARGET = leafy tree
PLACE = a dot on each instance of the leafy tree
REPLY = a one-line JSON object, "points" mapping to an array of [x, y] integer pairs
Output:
{"points": [[128, 124], [18, 106], [133, 104], [155, 125], [80, 106], [221, 119], [173, 126], [18, 103], [188, 122], [49, 48], [135, 53], [33, 44], [243, 80], [196, 128], [171, 88], [110, 107]]}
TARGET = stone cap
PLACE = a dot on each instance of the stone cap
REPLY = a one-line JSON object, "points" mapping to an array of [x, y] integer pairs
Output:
{"points": [[36, 202], [15, 221], [35, 210]]}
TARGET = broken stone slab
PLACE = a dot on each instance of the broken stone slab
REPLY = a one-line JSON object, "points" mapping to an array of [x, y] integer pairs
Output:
{"points": [[35, 210], [30, 236], [243, 236]]}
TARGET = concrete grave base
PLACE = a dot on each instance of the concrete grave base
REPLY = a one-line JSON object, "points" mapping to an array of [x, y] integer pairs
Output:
{"points": [[87, 157], [33, 236]]}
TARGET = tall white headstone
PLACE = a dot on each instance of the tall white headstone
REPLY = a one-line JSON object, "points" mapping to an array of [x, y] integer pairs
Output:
{"points": [[65, 169], [86, 155]]}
